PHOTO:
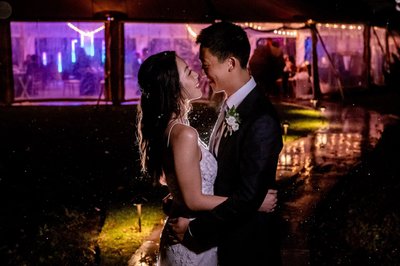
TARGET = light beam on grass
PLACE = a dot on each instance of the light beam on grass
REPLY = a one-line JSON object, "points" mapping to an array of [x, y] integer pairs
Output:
{"points": [[120, 238]]}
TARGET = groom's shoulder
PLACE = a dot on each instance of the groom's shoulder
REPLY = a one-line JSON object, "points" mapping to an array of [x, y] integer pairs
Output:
{"points": [[265, 108], [262, 104]]}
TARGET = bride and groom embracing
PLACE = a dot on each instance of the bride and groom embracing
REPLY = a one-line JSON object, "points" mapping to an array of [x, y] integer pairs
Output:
{"points": [[223, 202]]}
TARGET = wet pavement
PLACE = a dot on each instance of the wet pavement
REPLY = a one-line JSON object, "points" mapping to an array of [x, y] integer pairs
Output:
{"points": [[308, 169]]}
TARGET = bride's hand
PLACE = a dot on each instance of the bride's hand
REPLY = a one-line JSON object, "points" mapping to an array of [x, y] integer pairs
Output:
{"points": [[179, 226], [270, 201]]}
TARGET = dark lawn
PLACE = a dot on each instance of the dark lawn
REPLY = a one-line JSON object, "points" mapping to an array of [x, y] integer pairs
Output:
{"points": [[61, 168]]}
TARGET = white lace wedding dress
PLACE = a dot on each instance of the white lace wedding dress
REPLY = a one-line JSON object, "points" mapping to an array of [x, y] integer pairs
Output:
{"points": [[177, 254]]}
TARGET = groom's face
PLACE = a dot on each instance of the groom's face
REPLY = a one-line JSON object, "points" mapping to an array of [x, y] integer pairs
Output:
{"points": [[216, 71]]}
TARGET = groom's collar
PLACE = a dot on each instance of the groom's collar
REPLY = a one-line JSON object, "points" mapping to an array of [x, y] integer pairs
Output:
{"points": [[237, 98]]}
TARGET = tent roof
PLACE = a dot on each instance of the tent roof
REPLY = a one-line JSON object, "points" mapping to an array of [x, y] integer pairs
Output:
{"points": [[378, 12]]}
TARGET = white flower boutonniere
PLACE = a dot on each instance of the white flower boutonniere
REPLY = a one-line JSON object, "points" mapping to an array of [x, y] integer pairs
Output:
{"points": [[232, 120]]}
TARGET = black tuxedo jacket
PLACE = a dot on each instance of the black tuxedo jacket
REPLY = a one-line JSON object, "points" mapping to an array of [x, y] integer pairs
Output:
{"points": [[247, 162]]}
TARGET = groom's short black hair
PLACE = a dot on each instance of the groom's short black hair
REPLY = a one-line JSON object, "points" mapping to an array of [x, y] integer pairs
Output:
{"points": [[225, 39]]}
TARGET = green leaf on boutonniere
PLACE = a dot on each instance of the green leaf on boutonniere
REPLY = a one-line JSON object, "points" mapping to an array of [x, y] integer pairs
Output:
{"points": [[232, 120]]}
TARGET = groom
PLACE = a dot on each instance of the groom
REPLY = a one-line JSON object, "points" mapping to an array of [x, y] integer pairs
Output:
{"points": [[247, 146]]}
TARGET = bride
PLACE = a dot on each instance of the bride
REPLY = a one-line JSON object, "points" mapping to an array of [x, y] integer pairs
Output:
{"points": [[172, 152]]}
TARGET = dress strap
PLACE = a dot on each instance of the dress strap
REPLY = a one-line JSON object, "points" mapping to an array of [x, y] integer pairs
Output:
{"points": [[170, 129]]}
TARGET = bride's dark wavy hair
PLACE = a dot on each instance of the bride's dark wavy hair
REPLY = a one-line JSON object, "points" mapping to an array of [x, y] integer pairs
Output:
{"points": [[161, 99]]}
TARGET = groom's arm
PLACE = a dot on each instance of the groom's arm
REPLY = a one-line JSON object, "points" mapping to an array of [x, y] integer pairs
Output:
{"points": [[257, 167]]}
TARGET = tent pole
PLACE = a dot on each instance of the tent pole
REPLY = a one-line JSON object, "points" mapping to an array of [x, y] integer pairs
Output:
{"points": [[367, 54], [6, 72], [114, 81], [315, 73], [332, 64]]}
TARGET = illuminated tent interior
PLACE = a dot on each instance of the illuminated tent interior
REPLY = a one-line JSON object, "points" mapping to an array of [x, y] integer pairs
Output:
{"points": [[57, 34]]}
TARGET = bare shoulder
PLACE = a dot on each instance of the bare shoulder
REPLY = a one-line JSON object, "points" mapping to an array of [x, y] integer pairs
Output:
{"points": [[183, 134]]}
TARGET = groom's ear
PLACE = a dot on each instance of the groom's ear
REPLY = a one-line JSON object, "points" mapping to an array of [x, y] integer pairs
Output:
{"points": [[231, 63]]}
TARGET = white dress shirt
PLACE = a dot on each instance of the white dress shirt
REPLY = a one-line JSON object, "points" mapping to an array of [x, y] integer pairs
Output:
{"points": [[237, 98]]}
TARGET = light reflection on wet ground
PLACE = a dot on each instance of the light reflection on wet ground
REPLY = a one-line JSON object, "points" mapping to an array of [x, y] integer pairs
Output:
{"points": [[309, 167], [339, 142]]}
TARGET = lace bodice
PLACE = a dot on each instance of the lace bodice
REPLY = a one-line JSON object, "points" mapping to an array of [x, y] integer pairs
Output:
{"points": [[177, 254], [208, 169]]}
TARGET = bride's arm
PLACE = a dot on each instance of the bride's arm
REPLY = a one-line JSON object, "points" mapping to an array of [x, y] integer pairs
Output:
{"points": [[187, 155]]}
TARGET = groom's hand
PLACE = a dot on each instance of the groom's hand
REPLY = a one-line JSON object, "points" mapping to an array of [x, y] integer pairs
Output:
{"points": [[270, 201], [179, 226]]}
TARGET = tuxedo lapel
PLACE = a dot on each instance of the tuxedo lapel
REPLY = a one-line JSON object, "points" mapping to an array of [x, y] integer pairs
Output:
{"points": [[217, 126], [245, 109], [225, 137]]}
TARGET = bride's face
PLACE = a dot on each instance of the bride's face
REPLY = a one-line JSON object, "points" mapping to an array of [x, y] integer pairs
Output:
{"points": [[189, 80]]}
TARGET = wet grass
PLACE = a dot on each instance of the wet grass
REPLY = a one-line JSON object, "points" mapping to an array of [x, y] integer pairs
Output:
{"points": [[121, 234], [301, 121]]}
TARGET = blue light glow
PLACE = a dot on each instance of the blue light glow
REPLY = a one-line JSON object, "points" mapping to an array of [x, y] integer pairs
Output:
{"points": [[73, 53], [59, 62]]}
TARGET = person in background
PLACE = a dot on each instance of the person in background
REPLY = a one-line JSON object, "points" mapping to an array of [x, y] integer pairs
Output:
{"points": [[266, 66], [136, 62], [288, 72], [33, 74], [84, 71]]}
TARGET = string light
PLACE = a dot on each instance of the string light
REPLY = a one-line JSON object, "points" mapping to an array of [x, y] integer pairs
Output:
{"points": [[89, 34], [260, 27], [287, 32], [85, 33], [191, 31], [283, 32], [342, 26]]}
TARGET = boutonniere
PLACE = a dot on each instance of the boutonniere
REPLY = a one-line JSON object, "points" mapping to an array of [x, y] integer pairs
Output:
{"points": [[232, 120]]}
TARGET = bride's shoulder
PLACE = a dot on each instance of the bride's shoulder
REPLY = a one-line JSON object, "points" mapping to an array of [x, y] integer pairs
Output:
{"points": [[182, 132]]}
